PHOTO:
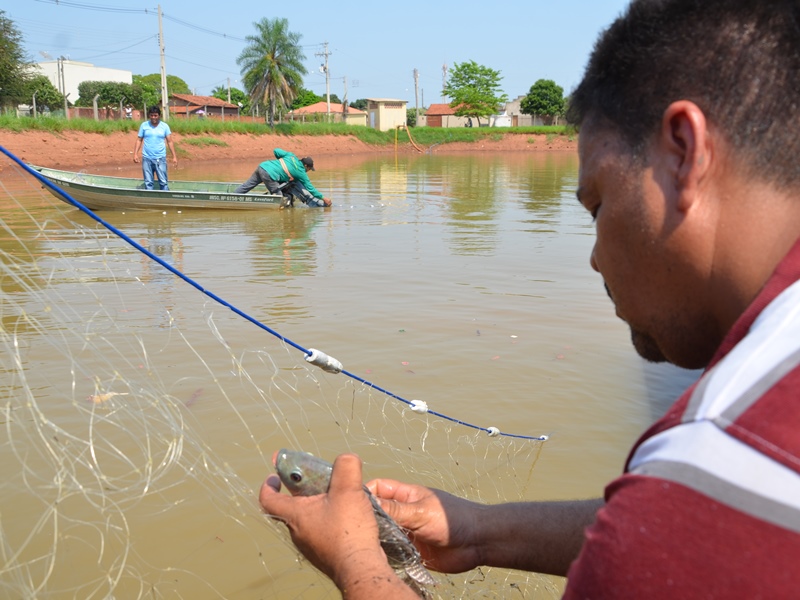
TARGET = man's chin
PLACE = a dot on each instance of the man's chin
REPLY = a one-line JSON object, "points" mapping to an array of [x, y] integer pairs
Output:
{"points": [[647, 348]]}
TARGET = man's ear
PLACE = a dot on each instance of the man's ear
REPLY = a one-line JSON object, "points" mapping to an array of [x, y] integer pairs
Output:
{"points": [[685, 139]]}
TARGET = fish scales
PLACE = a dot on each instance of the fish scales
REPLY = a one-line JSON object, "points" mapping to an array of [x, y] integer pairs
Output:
{"points": [[304, 474]]}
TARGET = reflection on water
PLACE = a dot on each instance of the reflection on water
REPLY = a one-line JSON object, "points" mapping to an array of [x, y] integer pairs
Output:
{"points": [[459, 253], [437, 261], [460, 280]]}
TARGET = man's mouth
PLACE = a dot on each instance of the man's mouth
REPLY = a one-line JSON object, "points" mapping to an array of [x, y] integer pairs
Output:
{"points": [[616, 307], [608, 291]]}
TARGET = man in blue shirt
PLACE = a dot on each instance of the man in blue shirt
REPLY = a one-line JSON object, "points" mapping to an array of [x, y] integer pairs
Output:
{"points": [[155, 136]]}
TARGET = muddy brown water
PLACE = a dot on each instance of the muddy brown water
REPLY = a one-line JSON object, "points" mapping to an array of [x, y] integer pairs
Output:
{"points": [[462, 280]]}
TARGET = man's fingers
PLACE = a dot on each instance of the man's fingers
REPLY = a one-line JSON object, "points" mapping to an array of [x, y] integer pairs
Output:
{"points": [[346, 473], [389, 489], [412, 506], [410, 516], [272, 501]]}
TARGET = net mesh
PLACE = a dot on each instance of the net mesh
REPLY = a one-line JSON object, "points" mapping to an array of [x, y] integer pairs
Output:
{"points": [[138, 425]]}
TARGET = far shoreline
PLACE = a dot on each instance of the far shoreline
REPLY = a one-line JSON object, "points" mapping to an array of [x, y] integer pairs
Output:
{"points": [[73, 150]]}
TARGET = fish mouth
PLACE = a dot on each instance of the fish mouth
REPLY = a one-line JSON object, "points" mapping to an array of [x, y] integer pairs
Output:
{"points": [[278, 456]]}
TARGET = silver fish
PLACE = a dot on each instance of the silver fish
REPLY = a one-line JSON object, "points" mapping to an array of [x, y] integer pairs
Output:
{"points": [[304, 474]]}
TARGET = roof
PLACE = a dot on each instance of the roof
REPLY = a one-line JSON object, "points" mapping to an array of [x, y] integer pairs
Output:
{"points": [[203, 100], [322, 107], [387, 100], [178, 110], [440, 109]]}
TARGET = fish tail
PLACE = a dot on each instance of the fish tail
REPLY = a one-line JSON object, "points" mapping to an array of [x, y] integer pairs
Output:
{"points": [[419, 573]]}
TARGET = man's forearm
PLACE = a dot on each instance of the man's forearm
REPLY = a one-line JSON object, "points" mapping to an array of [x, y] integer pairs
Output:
{"points": [[369, 577], [544, 537]]}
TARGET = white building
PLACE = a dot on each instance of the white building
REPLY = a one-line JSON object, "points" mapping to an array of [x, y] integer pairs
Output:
{"points": [[386, 114], [67, 74]]}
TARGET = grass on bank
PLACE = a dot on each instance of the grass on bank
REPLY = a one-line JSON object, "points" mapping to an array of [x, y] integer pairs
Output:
{"points": [[205, 129]]}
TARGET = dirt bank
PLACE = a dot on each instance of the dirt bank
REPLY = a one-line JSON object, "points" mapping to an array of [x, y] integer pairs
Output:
{"points": [[73, 150]]}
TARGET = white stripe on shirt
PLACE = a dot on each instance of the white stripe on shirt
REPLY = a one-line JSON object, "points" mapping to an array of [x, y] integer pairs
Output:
{"points": [[701, 455]]}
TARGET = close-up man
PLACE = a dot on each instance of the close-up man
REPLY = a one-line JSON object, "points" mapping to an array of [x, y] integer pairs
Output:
{"points": [[688, 119]]}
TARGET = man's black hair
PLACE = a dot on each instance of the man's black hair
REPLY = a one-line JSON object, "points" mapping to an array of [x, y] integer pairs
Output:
{"points": [[154, 109], [738, 60]]}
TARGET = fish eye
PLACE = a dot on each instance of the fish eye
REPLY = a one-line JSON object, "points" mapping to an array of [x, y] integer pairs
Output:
{"points": [[296, 477]]}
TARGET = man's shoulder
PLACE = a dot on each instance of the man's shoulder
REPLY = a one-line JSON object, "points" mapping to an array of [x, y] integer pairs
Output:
{"points": [[280, 153]]}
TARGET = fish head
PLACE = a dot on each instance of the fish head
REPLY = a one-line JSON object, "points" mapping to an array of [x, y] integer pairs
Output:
{"points": [[302, 473]]}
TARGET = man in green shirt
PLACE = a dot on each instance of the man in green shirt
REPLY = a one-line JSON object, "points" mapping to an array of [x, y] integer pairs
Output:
{"points": [[286, 175]]}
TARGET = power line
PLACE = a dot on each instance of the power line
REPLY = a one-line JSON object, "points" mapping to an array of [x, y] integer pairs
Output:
{"points": [[147, 11], [96, 7], [154, 12], [205, 66], [203, 29], [147, 39]]}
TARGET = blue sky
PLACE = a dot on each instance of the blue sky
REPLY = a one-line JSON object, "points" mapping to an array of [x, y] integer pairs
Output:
{"points": [[374, 47]]}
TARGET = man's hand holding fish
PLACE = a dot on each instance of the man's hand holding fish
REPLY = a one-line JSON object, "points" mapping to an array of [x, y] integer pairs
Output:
{"points": [[337, 532], [454, 535], [439, 523]]}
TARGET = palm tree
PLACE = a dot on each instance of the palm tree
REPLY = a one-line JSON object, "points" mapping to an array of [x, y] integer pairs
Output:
{"points": [[272, 65]]}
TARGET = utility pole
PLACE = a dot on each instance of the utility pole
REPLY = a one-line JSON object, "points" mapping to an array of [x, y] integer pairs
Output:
{"points": [[444, 79], [229, 90], [416, 96], [164, 94], [62, 84], [326, 54], [344, 102], [62, 81]]}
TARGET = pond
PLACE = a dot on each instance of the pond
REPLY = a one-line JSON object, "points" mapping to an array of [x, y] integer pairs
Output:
{"points": [[142, 409]]}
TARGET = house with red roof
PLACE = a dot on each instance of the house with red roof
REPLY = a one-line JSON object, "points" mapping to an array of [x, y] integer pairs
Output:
{"points": [[443, 115], [189, 105], [318, 111]]}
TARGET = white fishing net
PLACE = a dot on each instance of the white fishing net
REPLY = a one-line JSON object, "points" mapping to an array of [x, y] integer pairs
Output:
{"points": [[140, 416]]}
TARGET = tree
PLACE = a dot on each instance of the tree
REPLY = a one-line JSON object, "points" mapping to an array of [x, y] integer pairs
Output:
{"points": [[360, 104], [46, 93], [150, 92], [305, 98], [175, 85], [237, 97], [14, 69], [110, 93], [411, 116], [475, 90], [113, 93], [272, 65], [544, 98]]}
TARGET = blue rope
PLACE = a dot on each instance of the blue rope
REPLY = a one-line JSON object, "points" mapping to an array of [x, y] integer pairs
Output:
{"points": [[70, 200]]}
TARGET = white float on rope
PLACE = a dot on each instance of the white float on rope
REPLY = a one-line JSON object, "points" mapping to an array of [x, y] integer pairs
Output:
{"points": [[419, 406], [323, 361]]}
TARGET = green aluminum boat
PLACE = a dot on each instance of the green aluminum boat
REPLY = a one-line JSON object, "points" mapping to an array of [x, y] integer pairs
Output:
{"points": [[102, 192]]}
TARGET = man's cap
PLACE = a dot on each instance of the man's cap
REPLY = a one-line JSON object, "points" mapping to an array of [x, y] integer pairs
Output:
{"points": [[308, 162]]}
